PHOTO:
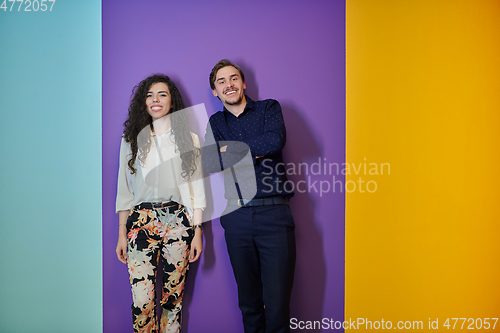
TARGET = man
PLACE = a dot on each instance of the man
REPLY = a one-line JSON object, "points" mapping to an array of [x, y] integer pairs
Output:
{"points": [[259, 232]]}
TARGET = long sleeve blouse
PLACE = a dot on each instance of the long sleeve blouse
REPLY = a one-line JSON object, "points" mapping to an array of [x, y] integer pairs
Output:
{"points": [[159, 178]]}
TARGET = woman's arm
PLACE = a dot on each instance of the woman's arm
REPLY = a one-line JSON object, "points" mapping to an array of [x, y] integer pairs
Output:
{"points": [[197, 243], [121, 247]]}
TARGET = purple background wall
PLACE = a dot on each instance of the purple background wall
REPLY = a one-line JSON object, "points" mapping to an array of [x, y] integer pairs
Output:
{"points": [[292, 51]]}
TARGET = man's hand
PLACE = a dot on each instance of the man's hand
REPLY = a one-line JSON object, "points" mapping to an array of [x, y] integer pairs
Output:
{"points": [[223, 149]]}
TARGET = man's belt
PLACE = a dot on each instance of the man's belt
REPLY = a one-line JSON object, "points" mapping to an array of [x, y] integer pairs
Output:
{"points": [[258, 202]]}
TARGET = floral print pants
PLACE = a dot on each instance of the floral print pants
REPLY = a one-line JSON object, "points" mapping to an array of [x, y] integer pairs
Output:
{"points": [[156, 230]]}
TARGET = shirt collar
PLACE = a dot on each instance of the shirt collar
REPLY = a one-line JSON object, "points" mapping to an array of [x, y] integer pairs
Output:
{"points": [[160, 135]]}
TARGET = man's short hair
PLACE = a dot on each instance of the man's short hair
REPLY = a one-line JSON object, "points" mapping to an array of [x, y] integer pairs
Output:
{"points": [[221, 64]]}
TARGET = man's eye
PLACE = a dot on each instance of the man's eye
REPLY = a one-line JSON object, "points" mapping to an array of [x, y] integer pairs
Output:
{"points": [[221, 82]]}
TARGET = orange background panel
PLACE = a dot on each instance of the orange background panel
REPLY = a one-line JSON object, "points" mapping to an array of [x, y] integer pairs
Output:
{"points": [[423, 94]]}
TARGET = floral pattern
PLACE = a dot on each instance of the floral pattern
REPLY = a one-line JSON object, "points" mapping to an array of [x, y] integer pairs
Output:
{"points": [[153, 233]]}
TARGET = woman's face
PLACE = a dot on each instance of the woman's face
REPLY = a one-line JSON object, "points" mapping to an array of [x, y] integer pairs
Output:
{"points": [[158, 100]]}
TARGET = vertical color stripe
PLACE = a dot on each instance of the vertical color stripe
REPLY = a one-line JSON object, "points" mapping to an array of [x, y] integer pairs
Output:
{"points": [[422, 95], [291, 51], [50, 139]]}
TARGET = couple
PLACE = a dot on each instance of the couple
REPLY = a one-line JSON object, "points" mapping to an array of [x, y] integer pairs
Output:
{"points": [[160, 200]]}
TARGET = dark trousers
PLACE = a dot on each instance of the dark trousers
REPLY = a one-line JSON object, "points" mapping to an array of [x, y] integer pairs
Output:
{"points": [[261, 245]]}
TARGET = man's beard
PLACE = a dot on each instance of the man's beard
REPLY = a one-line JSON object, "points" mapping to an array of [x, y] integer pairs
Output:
{"points": [[238, 101]]}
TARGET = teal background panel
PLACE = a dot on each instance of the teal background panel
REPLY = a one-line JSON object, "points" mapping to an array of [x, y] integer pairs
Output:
{"points": [[50, 174]]}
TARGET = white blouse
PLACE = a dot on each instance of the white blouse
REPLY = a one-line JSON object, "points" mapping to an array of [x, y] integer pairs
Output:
{"points": [[159, 178]]}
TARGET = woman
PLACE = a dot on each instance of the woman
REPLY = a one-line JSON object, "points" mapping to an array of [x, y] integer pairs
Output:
{"points": [[160, 199]]}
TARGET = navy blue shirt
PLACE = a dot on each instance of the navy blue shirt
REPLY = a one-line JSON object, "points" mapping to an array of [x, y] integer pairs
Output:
{"points": [[259, 128]]}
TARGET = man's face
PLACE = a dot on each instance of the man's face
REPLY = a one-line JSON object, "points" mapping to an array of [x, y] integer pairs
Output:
{"points": [[229, 86]]}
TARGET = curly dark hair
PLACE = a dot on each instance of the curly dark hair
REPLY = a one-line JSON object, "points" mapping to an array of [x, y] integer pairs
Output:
{"points": [[139, 118]]}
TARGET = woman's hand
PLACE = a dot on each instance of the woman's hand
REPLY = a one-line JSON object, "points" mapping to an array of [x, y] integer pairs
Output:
{"points": [[196, 245], [121, 249]]}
